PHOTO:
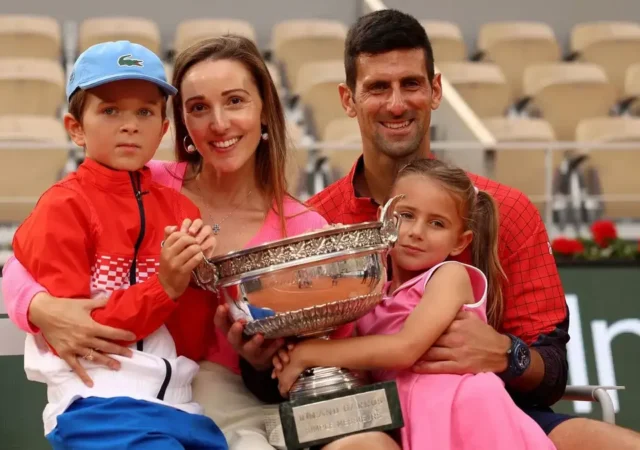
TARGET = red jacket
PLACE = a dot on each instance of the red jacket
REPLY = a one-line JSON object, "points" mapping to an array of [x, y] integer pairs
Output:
{"points": [[98, 233]]}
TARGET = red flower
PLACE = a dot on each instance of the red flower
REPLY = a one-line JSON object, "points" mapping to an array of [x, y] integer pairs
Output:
{"points": [[604, 233], [565, 246]]}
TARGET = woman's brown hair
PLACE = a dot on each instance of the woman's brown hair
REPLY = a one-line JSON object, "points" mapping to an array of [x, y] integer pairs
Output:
{"points": [[480, 215], [271, 155]]}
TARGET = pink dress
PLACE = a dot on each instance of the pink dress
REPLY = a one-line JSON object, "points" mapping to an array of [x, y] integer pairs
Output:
{"points": [[451, 412]]}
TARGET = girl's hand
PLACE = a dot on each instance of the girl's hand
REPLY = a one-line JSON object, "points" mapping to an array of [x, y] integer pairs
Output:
{"points": [[288, 365]]}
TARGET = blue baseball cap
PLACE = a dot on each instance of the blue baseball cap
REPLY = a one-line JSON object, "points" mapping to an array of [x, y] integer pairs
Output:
{"points": [[112, 61]]}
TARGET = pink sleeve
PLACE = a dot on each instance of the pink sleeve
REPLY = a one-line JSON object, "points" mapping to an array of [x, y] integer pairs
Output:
{"points": [[302, 220], [168, 173], [18, 289]]}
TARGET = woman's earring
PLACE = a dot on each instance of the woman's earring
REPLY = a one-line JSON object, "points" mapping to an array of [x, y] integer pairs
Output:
{"points": [[265, 134], [189, 148]]}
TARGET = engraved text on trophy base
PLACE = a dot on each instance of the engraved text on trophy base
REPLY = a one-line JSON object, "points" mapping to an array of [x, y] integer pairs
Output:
{"points": [[342, 415]]}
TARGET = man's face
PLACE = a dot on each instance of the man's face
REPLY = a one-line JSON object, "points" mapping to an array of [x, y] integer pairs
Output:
{"points": [[393, 100]]}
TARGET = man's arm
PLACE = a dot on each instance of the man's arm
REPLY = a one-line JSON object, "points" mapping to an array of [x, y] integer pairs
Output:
{"points": [[535, 305]]}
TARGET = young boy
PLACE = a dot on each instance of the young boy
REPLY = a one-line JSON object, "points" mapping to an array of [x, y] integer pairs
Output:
{"points": [[98, 232]]}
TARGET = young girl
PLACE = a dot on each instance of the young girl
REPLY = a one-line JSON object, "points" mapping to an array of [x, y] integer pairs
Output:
{"points": [[441, 214]]}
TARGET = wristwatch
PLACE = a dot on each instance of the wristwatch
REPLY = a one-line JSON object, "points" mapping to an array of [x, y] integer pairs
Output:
{"points": [[518, 359]]}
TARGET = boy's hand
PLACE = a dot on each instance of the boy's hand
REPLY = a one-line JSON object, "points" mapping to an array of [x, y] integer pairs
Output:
{"points": [[288, 366], [180, 254], [203, 234]]}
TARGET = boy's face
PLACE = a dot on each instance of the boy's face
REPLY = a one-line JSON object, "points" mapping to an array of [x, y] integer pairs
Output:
{"points": [[122, 124]]}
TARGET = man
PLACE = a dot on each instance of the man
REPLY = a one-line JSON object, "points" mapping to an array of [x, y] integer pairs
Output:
{"points": [[391, 89]]}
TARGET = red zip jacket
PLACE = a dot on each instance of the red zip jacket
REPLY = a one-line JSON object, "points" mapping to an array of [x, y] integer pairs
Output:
{"points": [[97, 233]]}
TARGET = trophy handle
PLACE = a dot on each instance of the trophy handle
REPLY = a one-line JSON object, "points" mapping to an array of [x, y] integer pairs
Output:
{"points": [[390, 221], [206, 276]]}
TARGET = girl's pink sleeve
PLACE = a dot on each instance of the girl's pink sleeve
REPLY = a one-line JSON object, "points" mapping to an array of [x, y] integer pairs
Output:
{"points": [[18, 289]]}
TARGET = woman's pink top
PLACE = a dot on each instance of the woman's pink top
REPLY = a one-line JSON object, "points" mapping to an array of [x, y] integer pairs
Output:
{"points": [[18, 287]]}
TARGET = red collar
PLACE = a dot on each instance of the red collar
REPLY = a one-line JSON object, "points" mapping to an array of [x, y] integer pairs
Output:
{"points": [[116, 181]]}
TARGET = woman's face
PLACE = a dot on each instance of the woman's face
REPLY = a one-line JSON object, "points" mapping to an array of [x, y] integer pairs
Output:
{"points": [[222, 110]]}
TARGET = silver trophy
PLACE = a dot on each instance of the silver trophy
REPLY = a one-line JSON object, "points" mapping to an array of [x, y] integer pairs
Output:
{"points": [[308, 286]]}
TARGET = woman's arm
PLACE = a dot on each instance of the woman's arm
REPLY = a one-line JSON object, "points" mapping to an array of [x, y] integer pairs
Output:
{"points": [[448, 289], [18, 290]]}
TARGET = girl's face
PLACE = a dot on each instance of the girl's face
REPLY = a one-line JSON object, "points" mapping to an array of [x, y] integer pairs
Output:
{"points": [[431, 227]]}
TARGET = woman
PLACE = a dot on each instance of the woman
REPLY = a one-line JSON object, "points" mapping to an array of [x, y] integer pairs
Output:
{"points": [[230, 144]]}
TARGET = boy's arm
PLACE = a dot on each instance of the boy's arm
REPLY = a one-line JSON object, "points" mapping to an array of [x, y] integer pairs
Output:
{"points": [[55, 245], [448, 289]]}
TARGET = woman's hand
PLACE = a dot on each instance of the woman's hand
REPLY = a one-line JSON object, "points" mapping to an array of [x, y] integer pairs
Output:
{"points": [[257, 351], [67, 326]]}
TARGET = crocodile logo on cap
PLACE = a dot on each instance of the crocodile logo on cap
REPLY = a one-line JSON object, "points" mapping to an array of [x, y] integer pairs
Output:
{"points": [[127, 60]]}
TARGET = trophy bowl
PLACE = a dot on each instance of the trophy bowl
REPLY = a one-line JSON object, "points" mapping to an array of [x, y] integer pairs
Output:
{"points": [[308, 286]]}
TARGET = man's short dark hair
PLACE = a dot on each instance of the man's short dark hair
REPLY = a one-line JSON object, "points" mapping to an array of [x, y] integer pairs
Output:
{"points": [[384, 31]]}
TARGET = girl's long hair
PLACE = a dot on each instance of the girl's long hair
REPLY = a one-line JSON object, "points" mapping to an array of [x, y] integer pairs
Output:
{"points": [[480, 215]]}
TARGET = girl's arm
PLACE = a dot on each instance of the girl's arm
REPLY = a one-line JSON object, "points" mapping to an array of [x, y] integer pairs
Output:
{"points": [[448, 289]]}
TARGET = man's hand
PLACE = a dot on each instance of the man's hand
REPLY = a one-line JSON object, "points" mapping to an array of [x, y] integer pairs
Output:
{"points": [[257, 351], [469, 345]]}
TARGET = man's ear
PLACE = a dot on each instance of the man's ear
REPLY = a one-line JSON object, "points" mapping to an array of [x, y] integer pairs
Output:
{"points": [[75, 130], [346, 98], [436, 91], [463, 241]]}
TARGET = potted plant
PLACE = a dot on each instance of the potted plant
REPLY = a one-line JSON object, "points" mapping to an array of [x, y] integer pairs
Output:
{"points": [[603, 246]]}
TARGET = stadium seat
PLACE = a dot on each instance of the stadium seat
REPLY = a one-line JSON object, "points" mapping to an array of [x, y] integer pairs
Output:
{"points": [[135, 29], [31, 86], [297, 42], [515, 45], [446, 39], [612, 45], [343, 131], [24, 36], [298, 154], [28, 171], [188, 32], [524, 170], [276, 77], [617, 169], [564, 93], [318, 90], [629, 104], [482, 85]]}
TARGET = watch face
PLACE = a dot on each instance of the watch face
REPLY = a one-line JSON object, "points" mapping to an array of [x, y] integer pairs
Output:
{"points": [[522, 357]]}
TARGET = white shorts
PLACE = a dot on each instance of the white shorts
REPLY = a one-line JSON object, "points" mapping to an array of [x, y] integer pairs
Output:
{"points": [[228, 402]]}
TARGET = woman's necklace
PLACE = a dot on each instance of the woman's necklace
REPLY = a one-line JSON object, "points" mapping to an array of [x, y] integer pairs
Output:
{"points": [[216, 225]]}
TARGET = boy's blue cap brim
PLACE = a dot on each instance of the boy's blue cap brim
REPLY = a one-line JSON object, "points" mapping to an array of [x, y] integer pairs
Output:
{"points": [[166, 87]]}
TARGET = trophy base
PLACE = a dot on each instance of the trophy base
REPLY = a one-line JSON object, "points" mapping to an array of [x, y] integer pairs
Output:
{"points": [[313, 420]]}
